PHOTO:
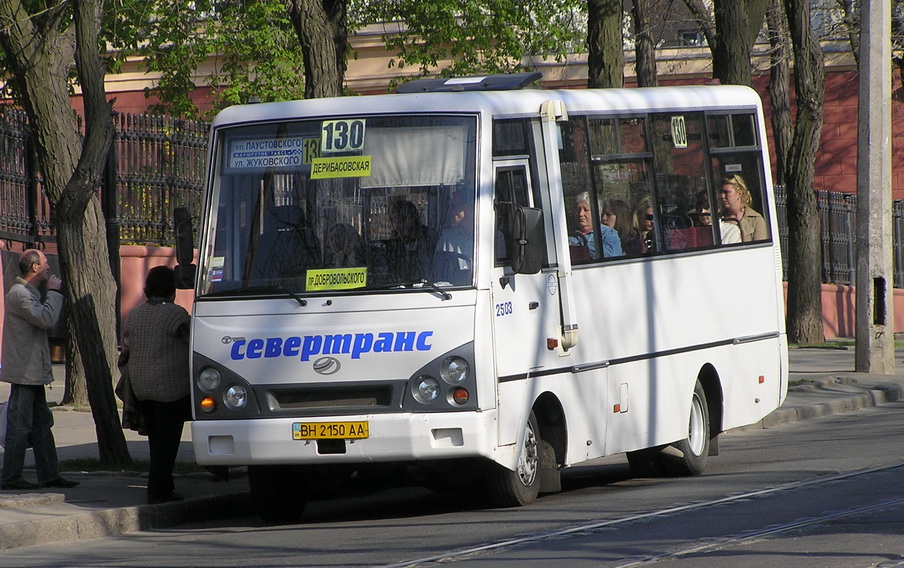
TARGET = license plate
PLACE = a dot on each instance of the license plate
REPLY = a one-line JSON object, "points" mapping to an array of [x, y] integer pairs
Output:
{"points": [[330, 430]]}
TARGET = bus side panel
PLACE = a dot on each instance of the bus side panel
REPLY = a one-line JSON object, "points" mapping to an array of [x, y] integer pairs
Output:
{"points": [[585, 429], [757, 385]]}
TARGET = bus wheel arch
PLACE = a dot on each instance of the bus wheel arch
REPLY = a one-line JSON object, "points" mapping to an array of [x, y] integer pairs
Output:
{"points": [[689, 455], [712, 387], [518, 487], [553, 441]]}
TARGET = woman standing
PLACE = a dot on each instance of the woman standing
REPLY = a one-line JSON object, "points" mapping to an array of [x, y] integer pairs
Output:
{"points": [[155, 341]]}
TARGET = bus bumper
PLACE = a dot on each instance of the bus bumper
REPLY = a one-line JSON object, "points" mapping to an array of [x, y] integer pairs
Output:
{"points": [[392, 438]]}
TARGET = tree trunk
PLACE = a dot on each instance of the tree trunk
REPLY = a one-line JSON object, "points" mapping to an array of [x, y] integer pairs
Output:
{"points": [[731, 55], [91, 296], [804, 252], [322, 29], [606, 58], [779, 86], [40, 60], [645, 65]]}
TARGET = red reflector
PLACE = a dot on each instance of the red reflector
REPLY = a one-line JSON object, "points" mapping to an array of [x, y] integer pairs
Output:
{"points": [[460, 396], [762, 379], [616, 408], [552, 343]]}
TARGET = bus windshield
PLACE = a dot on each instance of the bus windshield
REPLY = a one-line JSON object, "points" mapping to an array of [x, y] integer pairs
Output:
{"points": [[342, 205]]}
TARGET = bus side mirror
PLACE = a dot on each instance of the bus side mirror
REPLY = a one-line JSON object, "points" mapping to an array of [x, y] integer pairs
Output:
{"points": [[184, 271], [528, 240]]}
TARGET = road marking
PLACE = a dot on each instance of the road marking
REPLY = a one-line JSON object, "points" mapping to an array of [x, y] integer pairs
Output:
{"points": [[452, 555]]}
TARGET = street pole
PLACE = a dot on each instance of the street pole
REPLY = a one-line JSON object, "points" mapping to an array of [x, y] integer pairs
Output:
{"points": [[875, 283]]}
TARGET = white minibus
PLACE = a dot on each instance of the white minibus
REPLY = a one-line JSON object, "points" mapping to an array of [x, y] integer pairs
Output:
{"points": [[482, 283]]}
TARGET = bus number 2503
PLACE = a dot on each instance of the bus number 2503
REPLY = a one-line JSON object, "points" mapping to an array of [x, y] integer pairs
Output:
{"points": [[503, 309]]}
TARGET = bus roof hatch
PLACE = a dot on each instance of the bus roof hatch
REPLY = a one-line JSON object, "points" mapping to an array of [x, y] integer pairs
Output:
{"points": [[503, 82]]}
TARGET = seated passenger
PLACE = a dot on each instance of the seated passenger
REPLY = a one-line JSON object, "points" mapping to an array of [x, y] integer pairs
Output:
{"points": [[344, 248], [643, 239], [703, 218], [611, 241], [736, 208], [616, 213], [455, 245], [410, 249]]}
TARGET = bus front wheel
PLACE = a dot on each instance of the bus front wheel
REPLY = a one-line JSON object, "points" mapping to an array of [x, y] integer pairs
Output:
{"points": [[278, 493], [520, 487]]}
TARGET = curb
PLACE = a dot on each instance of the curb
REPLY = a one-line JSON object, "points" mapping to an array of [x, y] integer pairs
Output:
{"points": [[881, 393], [843, 394], [114, 522]]}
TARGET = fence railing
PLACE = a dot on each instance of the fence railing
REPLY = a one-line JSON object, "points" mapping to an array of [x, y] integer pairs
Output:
{"points": [[838, 221], [158, 163]]}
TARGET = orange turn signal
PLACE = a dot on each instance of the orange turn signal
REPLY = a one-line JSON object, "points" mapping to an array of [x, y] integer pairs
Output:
{"points": [[460, 396], [208, 404]]}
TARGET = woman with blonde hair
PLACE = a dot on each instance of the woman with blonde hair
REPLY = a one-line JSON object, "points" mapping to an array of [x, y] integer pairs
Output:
{"points": [[736, 208]]}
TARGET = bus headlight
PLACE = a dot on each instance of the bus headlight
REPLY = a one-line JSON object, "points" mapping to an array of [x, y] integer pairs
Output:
{"points": [[235, 397], [426, 389], [209, 380], [455, 370]]}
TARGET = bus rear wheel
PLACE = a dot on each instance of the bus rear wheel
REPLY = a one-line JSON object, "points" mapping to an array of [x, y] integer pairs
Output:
{"points": [[694, 449], [278, 493], [520, 487], [685, 457]]}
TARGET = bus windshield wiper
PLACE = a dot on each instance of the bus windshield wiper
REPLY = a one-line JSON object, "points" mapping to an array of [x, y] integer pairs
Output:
{"points": [[262, 290], [422, 285], [432, 287]]}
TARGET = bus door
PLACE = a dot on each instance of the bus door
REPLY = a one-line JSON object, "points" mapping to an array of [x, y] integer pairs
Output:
{"points": [[525, 306]]}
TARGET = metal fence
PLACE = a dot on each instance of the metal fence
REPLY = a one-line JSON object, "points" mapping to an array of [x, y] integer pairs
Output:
{"points": [[838, 221], [158, 163]]}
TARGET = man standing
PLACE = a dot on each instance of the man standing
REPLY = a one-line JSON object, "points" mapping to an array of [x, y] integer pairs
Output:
{"points": [[26, 366]]}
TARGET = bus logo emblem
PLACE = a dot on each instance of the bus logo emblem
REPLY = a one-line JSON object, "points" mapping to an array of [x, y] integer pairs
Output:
{"points": [[326, 365]]}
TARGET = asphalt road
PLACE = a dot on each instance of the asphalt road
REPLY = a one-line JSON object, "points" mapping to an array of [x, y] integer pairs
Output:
{"points": [[824, 492]]}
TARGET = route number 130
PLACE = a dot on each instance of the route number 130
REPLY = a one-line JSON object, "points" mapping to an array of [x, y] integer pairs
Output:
{"points": [[342, 135]]}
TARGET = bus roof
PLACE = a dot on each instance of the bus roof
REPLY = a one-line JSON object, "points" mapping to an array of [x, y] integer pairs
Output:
{"points": [[502, 103]]}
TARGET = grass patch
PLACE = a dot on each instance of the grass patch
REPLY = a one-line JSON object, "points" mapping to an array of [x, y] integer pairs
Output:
{"points": [[825, 345], [141, 466]]}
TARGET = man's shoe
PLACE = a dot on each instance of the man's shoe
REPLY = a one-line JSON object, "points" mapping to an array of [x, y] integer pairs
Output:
{"points": [[60, 482], [19, 484]]}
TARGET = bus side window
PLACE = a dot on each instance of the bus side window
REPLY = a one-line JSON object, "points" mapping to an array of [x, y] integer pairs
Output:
{"points": [[511, 190], [738, 177], [680, 181]]}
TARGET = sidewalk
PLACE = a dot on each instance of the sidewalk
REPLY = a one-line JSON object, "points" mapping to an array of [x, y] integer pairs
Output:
{"points": [[105, 504]]}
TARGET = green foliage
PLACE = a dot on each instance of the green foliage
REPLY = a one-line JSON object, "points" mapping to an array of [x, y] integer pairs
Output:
{"points": [[256, 52], [476, 36], [260, 53]]}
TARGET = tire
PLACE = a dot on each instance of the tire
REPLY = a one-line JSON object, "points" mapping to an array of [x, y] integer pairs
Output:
{"points": [[278, 493], [683, 458], [694, 449], [520, 487]]}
